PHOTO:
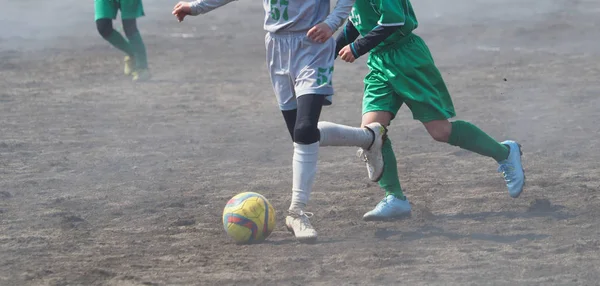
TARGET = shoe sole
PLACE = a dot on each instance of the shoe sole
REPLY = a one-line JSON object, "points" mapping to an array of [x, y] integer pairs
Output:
{"points": [[302, 239], [524, 176], [376, 218], [375, 180]]}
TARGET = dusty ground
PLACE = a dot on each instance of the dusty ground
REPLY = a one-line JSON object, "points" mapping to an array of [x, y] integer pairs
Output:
{"points": [[105, 182]]}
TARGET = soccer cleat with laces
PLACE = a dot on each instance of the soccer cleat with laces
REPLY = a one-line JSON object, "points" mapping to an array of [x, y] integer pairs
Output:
{"points": [[389, 208], [512, 169], [298, 223], [373, 156]]}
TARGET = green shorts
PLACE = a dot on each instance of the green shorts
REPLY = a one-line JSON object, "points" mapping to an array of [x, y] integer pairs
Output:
{"points": [[107, 9], [406, 73]]}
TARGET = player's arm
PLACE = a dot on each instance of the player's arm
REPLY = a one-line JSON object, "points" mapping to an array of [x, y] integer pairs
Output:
{"points": [[205, 6], [372, 39], [347, 36], [339, 14], [197, 7], [391, 20], [323, 31]]}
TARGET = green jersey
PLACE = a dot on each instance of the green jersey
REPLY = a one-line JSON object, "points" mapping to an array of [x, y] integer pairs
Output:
{"points": [[366, 15]]}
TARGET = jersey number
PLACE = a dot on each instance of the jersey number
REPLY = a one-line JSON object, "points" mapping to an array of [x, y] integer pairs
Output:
{"points": [[354, 17], [324, 76], [279, 9]]}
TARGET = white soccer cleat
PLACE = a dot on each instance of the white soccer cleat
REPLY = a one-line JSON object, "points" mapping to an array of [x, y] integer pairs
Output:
{"points": [[373, 156], [512, 169], [389, 208], [298, 223]]}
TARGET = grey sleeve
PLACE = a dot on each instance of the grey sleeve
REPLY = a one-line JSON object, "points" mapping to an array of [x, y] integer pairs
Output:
{"points": [[205, 6], [339, 14]]}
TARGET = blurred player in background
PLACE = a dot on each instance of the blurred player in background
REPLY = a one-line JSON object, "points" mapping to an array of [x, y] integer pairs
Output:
{"points": [[402, 71], [136, 63], [300, 57]]}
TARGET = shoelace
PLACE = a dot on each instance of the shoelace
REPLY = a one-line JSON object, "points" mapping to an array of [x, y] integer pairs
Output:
{"points": [[361, 155], [304, 219], [506, 170], [306, 214], [381, 204]]}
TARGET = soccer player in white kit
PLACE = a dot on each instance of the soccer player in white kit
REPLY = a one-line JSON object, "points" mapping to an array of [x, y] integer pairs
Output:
{"points": [[300, 57]]}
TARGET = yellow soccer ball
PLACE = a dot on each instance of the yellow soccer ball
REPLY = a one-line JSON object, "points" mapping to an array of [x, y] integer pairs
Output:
{"points": [[248, 218]]}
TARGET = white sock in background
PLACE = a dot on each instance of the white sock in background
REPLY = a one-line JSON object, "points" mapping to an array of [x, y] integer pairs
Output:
{"points": [[304, 169], [333, 134]]}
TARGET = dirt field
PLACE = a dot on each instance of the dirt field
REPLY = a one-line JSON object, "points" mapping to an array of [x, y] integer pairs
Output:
{"points": [[106, 182]]}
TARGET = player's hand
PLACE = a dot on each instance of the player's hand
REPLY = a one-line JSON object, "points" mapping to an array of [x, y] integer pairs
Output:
{"points": [[320, 33], [346, 54], [181, 10]]}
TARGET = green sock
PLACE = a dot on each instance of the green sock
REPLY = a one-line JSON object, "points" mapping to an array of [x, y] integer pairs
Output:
{"points": [[117, 40], [467, 136], [139, 50], [389, 180]]}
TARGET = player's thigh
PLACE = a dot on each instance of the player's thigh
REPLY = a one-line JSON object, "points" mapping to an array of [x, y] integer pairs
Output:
{"points": [[131, 9], [380, 102], [311, 67], [277, 67], [105, 9], [418, 82], [284, 91], [428, 112]]}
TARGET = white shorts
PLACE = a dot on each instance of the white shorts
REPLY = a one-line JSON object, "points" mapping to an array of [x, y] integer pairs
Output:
{"points": [[298, 66]]}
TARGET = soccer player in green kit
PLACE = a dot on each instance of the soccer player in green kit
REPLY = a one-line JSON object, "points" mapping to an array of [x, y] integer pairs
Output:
{"points": [[136, 63], [402, 71]]}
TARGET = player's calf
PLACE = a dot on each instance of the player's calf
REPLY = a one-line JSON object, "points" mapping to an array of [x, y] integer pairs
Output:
{"points": [[439, 130]]}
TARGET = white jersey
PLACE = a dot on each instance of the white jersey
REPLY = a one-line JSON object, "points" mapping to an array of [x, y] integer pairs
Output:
{"points": [[290, 15]]}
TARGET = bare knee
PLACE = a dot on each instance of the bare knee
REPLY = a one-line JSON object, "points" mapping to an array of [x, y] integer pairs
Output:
{"points": [[382, 117], [439, 130]]}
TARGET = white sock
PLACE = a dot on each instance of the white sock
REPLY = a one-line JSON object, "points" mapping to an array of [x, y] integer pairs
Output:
{"points": [[333, 134], [304, 169]]}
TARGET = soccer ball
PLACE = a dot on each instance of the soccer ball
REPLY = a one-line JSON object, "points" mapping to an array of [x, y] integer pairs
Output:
{"points": [[248, 218]]}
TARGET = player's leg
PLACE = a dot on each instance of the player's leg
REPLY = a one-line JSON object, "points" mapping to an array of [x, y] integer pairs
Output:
{"points": [[282, 83], [305, 134], [130, 11], [301, 117], [435, 108], [466, 136], [469, 137], [306, 146], [105, 12], [380, 104], [289, 116], [369, 137], [304, 165], [140, 72]]}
